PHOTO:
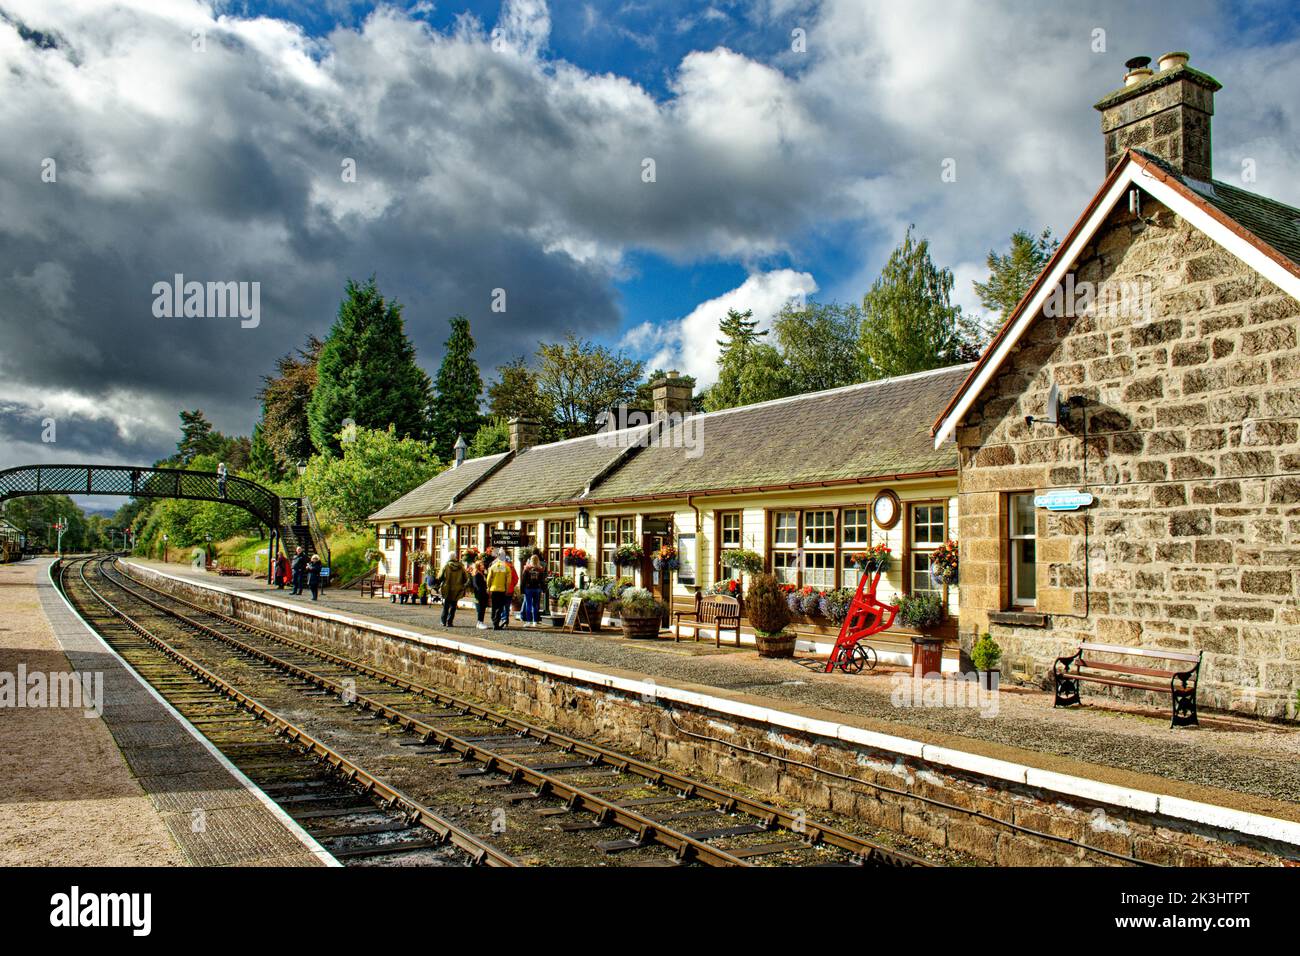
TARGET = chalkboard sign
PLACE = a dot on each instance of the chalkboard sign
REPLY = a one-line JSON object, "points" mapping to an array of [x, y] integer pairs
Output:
{"points": [[656, 525], [571, 615], [508, 538]]}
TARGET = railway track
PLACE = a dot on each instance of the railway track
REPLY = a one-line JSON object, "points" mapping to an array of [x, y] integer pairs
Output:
{"points": [[358, 820], [549, 797]]}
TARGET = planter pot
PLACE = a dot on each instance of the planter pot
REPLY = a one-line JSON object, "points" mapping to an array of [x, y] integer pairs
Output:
{"points": [[775, 645], [640, 628], [592, 613], [990, 680]]}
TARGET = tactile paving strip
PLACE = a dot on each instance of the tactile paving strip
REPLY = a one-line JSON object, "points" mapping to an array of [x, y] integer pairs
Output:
{"points": [[177, 772]]}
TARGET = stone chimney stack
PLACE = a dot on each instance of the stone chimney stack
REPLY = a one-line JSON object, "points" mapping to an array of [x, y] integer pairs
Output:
{"points": [[523, 434], [1165, 112], [459, 448], [672, 395]]}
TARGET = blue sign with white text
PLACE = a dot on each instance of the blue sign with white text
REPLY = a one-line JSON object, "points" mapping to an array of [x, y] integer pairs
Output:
{"points": [[1063, 500]]}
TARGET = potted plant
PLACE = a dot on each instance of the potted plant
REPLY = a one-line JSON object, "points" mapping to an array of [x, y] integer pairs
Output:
{"points": [[628, 555], [834, 605], [730, 587], [875, 560], [924, 613], [665, 559], [769, 615], [986, 654], [639, 612], [593, 601], [575, 558], [810, 601], [944, 562], [470, 556], [423, 593], [743, 560]]}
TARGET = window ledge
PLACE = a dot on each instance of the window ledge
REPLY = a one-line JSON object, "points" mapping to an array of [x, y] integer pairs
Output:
{"points": [[1018, 618]]}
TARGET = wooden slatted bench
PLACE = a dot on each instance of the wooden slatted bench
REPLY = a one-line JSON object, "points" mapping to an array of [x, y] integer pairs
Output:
{"points": [[711, 610], [1068, 672]]}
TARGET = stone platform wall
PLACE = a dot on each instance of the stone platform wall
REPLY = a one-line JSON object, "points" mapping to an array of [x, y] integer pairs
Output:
{"points": [[710, 740]]}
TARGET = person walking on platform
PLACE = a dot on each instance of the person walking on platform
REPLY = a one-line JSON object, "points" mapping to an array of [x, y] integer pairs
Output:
{"points": [[478, 584], [454, 582], [221, 479], [281, 572], [313, 575], [533, 580], [489, 556], [498, 585], [299, 569]]}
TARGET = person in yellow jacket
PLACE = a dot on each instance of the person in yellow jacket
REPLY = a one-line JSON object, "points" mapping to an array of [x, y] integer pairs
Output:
{"points": [[498, 585]]}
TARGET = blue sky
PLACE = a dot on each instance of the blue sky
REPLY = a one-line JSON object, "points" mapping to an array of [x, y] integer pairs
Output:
{"points": [[500, 145]]}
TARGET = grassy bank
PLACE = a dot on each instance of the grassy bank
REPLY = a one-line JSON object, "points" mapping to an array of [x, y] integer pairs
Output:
{"points": [[347, 553]]}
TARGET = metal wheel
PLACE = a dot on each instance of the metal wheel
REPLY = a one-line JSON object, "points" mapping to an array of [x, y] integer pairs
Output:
{"points": [[864, 655]]}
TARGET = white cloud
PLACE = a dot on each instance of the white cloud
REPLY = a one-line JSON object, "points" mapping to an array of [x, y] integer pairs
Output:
{"points": [[690, 344]]}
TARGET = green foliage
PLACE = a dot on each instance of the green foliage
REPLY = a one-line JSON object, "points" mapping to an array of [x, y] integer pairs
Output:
{"points": [[637, 602], [920, 611], [744, 560], [492, 438], [909, 324], [458, 387], [197, 437], [515, 394], [1011, 274], [284, 429], [644, 397], [740, 347], [579, 380], [376, 467], [367, 373], [818, 345], [766, 605], [36, 515], [986, 653]]}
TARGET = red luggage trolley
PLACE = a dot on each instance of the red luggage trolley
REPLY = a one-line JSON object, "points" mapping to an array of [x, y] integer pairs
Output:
{"points": [[866, 616]]}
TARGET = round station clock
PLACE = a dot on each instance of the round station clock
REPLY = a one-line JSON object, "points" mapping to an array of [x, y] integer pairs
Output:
{"points": [[885, 509]]}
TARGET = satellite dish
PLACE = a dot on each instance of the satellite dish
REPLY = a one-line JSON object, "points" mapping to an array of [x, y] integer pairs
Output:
{"points": [[1053, 415]]}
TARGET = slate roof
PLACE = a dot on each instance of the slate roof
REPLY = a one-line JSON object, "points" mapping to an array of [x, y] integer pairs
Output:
{"points": [[434, 496], [870, 430], [875, 429]]}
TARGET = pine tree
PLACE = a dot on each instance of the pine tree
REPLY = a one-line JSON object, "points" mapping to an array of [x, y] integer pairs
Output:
{"points": [[197, 436], [458, 388], [909, 324], [1011, 275], [740, 336], [367, 373], [284, 428]]}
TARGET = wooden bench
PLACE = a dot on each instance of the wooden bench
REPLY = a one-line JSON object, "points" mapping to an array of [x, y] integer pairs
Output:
{"points": [[711, 610], [1068, 672], [371, 585]]}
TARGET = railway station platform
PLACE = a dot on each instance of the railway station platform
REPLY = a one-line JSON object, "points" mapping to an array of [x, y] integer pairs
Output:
{"points": [[1237, 772], [120, 779]]}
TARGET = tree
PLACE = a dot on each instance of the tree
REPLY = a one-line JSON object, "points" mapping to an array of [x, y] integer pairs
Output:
{"points": [[1011, 275], [740, 336], [909, 324], [515, 394], [367, 373], [458, 387], [492, 438], [375, 468], [284, 427], [819, 345], [197, 436], [579, 380], [764, 376]]}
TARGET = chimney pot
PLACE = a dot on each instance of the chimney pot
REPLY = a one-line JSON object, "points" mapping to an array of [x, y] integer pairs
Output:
{"points": [[1171, 61]]}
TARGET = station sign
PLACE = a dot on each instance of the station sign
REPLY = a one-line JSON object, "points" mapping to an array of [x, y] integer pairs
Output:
{"points": [[656, 526], [508, 538], [1064, 500]]}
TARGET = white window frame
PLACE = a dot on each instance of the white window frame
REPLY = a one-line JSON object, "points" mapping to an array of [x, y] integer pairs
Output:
{"points": [[1012, 538]]}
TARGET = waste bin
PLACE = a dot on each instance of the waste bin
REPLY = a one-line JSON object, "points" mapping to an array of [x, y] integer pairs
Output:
{"points": [[927, 657]]}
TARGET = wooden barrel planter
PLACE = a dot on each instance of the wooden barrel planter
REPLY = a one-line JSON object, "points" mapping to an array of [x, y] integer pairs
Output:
{"points": [[775, 645], [640, 627]]}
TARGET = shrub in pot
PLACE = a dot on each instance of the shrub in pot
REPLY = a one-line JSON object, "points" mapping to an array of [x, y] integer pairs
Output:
{"points": [[769, 615], [920, 611], [986, 654], [639, 612]]}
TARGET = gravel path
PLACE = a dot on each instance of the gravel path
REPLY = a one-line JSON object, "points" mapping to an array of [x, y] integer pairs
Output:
{"points": [[1227, 753]]}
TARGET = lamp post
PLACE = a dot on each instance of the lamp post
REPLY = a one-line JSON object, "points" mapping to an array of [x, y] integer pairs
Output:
{"points": [[208, 539], [164, 549]]}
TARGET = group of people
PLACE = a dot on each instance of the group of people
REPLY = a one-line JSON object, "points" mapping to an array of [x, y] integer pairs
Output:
{"points": [[493, 580], [302, 571]]}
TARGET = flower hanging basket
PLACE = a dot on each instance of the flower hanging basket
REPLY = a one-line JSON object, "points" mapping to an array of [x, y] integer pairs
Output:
{"points": [[628, 556]]}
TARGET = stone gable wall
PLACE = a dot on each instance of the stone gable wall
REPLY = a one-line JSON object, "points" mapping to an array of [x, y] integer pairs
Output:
{"points": [[1192, 408]]}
